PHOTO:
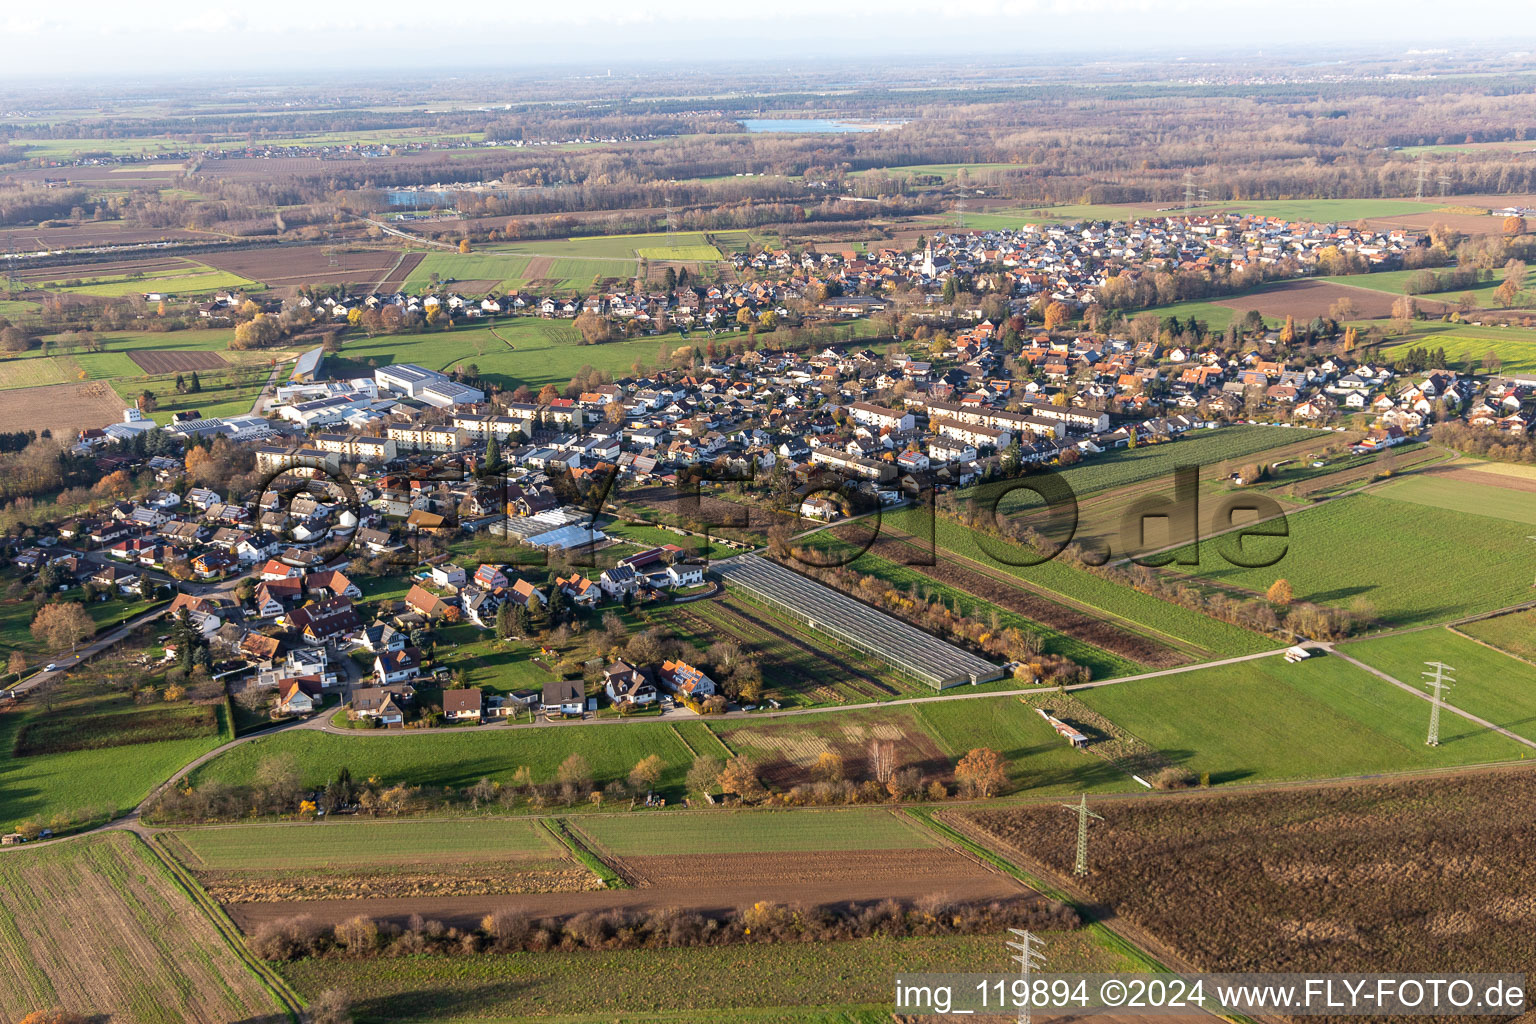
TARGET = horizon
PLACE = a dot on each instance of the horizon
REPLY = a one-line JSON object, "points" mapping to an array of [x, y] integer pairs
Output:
{"points": [[94, 40]]}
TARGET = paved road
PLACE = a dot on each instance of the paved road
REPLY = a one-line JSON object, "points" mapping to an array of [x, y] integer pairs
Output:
{"points": [[117, 634], [416, 239]]}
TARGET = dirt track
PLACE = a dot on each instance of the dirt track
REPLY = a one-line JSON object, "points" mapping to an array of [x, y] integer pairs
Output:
{"points": [[708, 883]]}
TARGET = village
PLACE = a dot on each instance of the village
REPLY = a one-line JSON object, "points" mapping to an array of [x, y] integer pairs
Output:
{"points": [[369, 467]]}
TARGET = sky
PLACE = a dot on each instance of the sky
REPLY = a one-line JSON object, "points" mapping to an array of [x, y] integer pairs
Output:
{"points": [[90, 38]]}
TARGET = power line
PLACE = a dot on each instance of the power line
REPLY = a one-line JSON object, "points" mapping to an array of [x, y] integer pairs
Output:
{"points": [[1083, 814], [1029, 958], [1438, 681]]}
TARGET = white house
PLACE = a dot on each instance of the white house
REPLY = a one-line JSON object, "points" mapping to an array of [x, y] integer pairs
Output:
{"points": [[684, 575]]}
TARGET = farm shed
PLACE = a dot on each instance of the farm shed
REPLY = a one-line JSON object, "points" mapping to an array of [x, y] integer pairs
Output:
{"points": [[855, 625]]}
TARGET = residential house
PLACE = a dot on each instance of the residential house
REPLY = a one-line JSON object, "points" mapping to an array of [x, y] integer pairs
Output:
{"points": [[685, 680], [625, 683], [565, 697], [390, 667], [463, 705]]}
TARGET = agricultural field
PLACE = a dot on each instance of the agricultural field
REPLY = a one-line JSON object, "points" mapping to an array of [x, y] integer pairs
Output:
{"points": [[797, 983], [799, 668], [61, 408], [1061, 581], [969, 593], [100, 926], [1489, 684], [629, 247], [522, 351], [72, 764], [1411, 564], [1459, 487], [1514, 347], [1515, 633], [288, 266], [930, 736], [1323, 211], [680, 253], [342, 860], [1313, 297], [506, 271], [826, 856], [196, 279], [1267, 719], [345, 844], [799, 831], [449, 758], [1204, 448], [1410, 875]]}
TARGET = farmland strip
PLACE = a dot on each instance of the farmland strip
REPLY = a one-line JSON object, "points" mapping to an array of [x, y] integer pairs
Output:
{"points": [[1005, 590]]}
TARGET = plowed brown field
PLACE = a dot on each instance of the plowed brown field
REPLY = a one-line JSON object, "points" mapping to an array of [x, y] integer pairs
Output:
{"points": [[710, 883], [61, 408], [1307, 299], [153, 360]]}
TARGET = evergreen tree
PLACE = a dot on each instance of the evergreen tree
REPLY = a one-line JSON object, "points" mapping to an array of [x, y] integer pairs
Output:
{"points": [[492, 454], [195, 385]]}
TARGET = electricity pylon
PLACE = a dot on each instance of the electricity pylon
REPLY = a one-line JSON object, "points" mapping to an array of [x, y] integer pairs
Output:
{"points": [[1083, 814], [1438, 681], [1029, 958], [1423, 172], [1189, 189]]}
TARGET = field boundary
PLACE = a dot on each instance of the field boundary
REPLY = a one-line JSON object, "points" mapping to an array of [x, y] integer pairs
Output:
{"points": [[568, 836], [1492, 647]]}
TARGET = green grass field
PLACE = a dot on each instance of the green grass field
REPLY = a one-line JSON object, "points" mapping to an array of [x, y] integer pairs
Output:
{"points": [[30, 373], [16, 621], [643, 536], [1490, 685], [1462, 496], [1515, 347], [85, 783], [59, 365], [525, 350], [1324, 210], [1515, 633], [347, 844], [448, 758], [1202, 448], [503, 269], [793, 983], [681, 253], [1039, 760], [1156, 618], [753, 832], [181, 285], [1414, 564], [1267, 719]]}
